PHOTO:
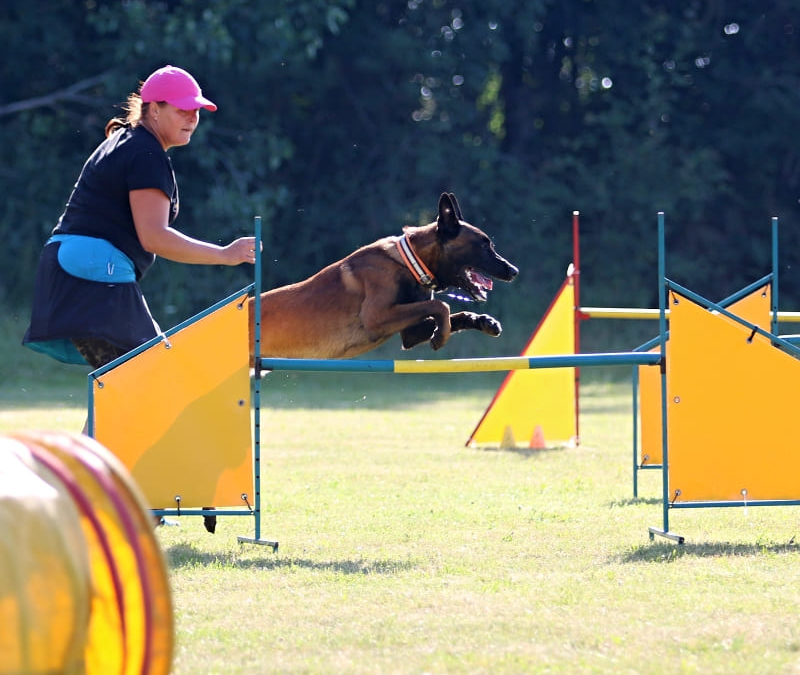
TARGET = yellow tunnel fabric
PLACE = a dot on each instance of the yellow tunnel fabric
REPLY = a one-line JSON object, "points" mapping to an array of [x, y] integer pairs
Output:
{"points": [[83, 584]]}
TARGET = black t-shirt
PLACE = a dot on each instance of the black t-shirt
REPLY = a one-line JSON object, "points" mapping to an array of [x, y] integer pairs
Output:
{"points": [[99, 206]]}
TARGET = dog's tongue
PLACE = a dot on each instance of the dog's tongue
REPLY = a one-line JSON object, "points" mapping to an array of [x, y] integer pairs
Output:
{"points": [[482, 280]]}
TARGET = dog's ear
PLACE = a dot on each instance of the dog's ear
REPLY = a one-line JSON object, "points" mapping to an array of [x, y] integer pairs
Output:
{"points": [[457, 207], [447, 224]]}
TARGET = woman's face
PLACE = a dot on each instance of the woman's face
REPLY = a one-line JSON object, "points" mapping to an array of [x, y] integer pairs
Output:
{"points": [[173, 126]]}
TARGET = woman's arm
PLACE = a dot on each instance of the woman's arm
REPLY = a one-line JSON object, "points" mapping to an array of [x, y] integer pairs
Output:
{"points": [[150, 209]]}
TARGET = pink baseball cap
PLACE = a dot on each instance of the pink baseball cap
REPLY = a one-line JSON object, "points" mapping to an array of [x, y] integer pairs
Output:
{"points": [[177, 87]]}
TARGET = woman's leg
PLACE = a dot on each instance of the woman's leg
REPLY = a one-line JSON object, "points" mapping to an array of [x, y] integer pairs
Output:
{"points": [[97, 352]]}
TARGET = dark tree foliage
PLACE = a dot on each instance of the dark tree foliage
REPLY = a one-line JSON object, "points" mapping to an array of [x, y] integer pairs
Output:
{"points": [[341, 121]]}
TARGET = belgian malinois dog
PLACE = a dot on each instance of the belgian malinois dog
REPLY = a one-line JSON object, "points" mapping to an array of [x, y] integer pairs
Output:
{"points": [[356, 304]]}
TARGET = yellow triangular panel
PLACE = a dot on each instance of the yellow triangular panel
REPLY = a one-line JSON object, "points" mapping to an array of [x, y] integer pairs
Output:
{"points": [[650, 413], [543, 397], [732, 411], [754, 307], [178, 414]]}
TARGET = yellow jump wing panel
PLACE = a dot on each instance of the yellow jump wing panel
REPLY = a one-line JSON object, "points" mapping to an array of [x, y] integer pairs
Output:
{"points": [[535, 405], [731, 411], [178, 414], [754, 307], [650, 413]]}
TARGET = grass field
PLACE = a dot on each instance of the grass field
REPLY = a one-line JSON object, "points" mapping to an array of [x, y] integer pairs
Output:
{"points": [[402, 551]]}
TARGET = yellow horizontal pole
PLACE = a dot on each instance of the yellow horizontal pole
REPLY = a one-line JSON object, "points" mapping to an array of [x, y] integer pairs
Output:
{"points": [[619, 313], [633, 313], [463, 365]]}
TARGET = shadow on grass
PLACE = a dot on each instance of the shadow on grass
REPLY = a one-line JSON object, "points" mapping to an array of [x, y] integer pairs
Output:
{"points": [[634, 501], [670, 552], [186, 555], [521, 451]]}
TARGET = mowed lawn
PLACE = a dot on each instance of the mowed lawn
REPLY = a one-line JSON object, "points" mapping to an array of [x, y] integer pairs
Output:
{"points": [[402, 551]]}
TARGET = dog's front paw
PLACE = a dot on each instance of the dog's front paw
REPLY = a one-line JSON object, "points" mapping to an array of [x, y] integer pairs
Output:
{"points": [[489, 325]]}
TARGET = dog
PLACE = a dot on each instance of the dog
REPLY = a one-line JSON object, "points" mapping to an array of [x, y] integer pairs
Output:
{"points": [[356, 304]]}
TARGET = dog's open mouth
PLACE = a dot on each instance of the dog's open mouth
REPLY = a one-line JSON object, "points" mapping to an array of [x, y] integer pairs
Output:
{"points": [[478, 285]]}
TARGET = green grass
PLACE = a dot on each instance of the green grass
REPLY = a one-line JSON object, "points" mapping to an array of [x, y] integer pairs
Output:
{"points": [[402, 551], [36, 391]]}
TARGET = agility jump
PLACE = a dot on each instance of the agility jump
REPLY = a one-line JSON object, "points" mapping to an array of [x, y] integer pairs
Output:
{"points": [[166, 405], [225, 389], [699, 392], [748, 376]]}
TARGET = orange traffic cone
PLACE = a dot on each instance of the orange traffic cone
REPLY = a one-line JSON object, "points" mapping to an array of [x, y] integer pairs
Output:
{"points": [[537, 440], [508, 438]]}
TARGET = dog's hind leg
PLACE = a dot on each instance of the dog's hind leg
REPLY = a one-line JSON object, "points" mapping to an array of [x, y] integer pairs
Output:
{"points": [[418, 333]]}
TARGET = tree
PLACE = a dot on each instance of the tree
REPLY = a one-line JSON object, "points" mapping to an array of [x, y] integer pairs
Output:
{"points": [[340, 121]]}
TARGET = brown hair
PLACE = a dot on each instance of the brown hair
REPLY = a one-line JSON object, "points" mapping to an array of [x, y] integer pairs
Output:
{"points": [[135, 111]]}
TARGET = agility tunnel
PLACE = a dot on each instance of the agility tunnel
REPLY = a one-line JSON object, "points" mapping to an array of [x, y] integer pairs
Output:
{"points": [[83, 584]]}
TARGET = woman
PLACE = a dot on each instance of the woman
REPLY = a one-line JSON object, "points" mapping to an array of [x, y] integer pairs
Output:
{"points": [[88, 306]]}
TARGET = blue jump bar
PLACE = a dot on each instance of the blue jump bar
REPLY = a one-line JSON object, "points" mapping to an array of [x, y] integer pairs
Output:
{"points": [[463, 365]]}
